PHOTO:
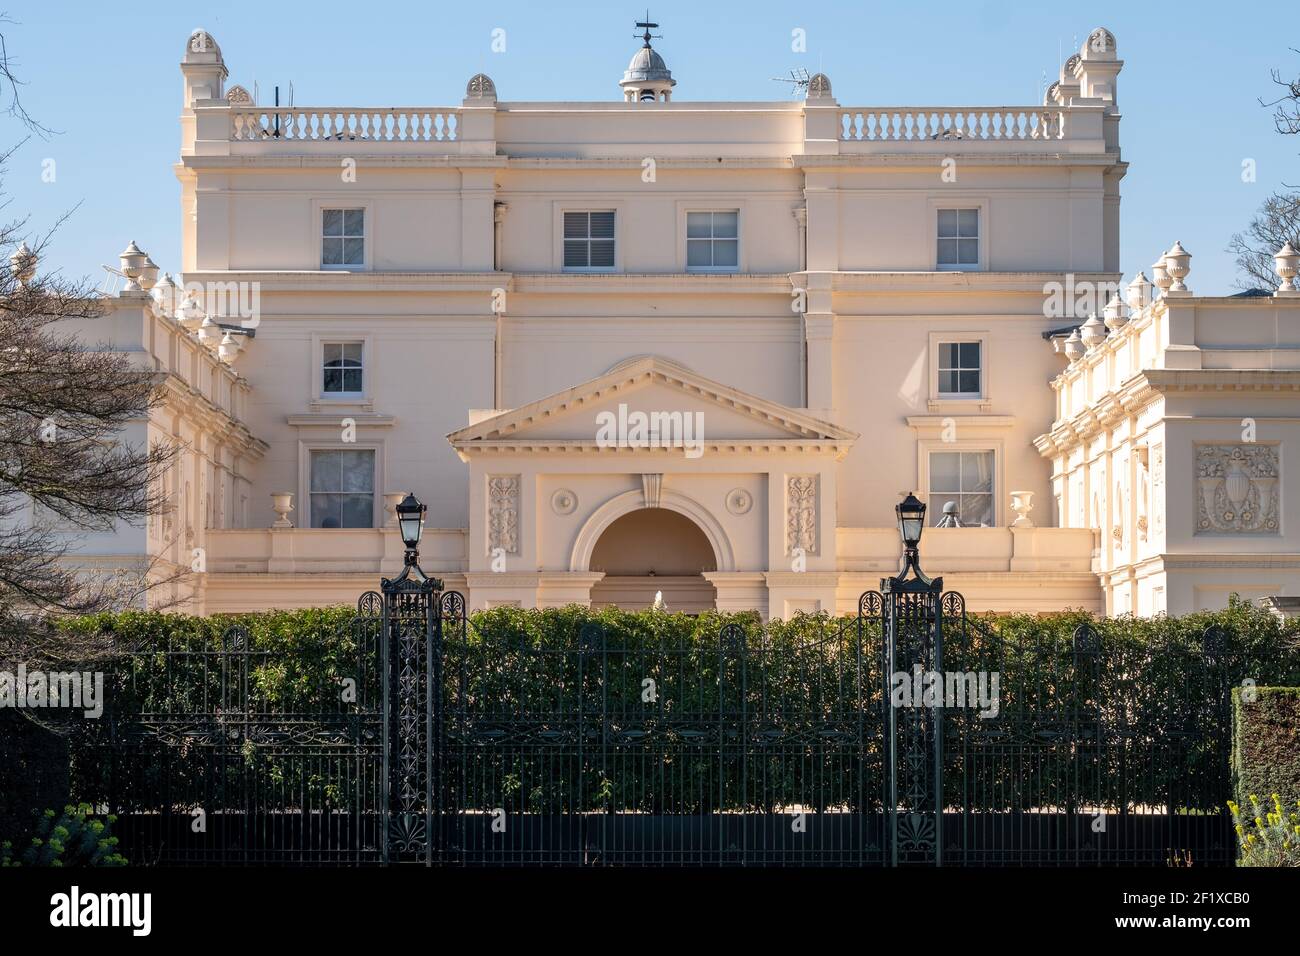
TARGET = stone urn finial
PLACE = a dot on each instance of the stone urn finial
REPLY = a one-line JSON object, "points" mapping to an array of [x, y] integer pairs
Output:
{"points": [[1116, 313], [23, 263], [1287, 263], [133, 264], [1160, 277], [282, 505], [1178, 263], [1092, 332], [1022, 502], [1138, 293], [1074, 347]]}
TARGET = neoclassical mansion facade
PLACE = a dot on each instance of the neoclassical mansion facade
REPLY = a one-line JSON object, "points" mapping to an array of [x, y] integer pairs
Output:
{"points": [[699, 348]]}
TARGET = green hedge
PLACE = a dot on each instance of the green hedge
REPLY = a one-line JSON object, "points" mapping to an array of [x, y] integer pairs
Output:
{"points": [[800, 680], [1266, 744]]}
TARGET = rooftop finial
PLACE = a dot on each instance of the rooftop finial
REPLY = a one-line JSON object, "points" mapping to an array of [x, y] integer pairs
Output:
{"points": [[648, 26]]}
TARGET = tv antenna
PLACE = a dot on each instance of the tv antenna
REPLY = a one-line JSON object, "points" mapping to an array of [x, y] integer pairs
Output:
{"points": [[798, 80]]}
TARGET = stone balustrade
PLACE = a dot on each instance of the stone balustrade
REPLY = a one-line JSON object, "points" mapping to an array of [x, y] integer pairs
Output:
{"points": [[945, 123], [256, 124]]}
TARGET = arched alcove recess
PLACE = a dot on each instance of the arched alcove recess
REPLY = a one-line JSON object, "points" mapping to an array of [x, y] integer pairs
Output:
{"points": [[643, 550]]}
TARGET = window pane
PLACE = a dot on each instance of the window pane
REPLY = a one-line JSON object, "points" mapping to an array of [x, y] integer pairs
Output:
{"points": [[968, 222], [934, 510], [947, 222], [357, 510], [698, 225], [968, 251], [945, 471], [332, 222], [725, 225], [602, 254], [352, 353], [354, 222], [699, 253], [358, 470], [947, 381], [324, 470], [333, 380], [976, 510], [602, 225], [354, 252], [325, 511], [333, 352], [947, 355], [726, 253], [575, 254], [948, 252], [977, 471], [575, 225], [969, 382], [352, 380], [331, 252], [970, 355]]}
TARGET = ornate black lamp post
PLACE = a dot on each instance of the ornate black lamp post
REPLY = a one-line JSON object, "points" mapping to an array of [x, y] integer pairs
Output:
{"points": [[412, 648], [913, 639]]}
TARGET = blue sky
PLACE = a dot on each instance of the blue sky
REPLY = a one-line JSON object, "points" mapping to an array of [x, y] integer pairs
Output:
{"points": [[106, 77]]}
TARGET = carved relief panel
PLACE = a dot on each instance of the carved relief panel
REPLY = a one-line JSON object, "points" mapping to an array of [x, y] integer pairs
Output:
{"points": [[1237, 487], [503, 513], [801, 514]]}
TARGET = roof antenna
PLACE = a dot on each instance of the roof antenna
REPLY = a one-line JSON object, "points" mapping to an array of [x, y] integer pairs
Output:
{"points": [[648, 36], [798, 80]]}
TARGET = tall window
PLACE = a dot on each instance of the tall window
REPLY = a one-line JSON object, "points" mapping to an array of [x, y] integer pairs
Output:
{"points": [[342, 371], [589, 240], [963, 477], [959, 369], [712, 241], [343, 238], [342, 488], [959, 239]]}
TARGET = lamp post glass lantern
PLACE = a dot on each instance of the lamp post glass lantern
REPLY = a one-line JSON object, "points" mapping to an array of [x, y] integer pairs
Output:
{"points": [[410, 520]]}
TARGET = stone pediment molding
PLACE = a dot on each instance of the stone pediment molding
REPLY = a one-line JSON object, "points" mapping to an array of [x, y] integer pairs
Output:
{"points": [[791, 429]]}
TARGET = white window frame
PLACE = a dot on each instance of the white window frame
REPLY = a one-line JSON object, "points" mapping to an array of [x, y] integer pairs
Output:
{"points": [[319, 397], [302, 506], [683, 213], [559, 208], [319, 208], [925, 446], [956, 201], [344, 393], [955, 399]]}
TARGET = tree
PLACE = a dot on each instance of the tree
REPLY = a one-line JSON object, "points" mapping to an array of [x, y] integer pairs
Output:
{"points": [[1278, 219]]}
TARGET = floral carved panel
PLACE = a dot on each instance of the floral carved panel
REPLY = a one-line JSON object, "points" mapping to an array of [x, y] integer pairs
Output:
{"points": [[503, 513], [801, 514], [1237, 487]]}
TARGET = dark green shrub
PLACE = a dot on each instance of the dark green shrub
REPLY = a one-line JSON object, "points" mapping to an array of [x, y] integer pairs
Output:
{"points": [[74, 838]]}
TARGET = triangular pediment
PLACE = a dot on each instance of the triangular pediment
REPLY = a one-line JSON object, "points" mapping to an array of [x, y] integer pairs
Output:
{"points": [[657, 400]]}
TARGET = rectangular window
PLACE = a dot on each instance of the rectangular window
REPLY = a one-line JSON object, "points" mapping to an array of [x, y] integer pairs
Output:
{"points": [[959, 369], [342, 488], [712, 241], [966, 479], [343, 238], [342, 370], [589, 240], [959, 239]]}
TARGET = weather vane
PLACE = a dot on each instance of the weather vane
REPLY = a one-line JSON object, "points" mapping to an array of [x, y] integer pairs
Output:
{"points": [[648, 25]]}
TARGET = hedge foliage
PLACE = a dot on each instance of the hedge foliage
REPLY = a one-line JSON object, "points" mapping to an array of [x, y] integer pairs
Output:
{"points": [[1266, 744], [550, 710]]}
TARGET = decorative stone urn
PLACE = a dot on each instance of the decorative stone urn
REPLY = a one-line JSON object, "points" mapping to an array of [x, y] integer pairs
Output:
{"points": [[1074, 347], [1178, 263], [391, 500], [1022, 502], [133, 262], [1287, 263], [1138, 293], [23, 263], [1092, 332], [1160, 278], [282, 505], [1116, 313]]}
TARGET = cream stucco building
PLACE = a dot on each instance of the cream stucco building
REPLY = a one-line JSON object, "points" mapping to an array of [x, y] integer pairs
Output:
{"points": [[668, 344]]}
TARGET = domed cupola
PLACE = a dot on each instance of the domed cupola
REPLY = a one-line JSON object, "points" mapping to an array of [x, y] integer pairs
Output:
{"points": [[648, 79]]}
